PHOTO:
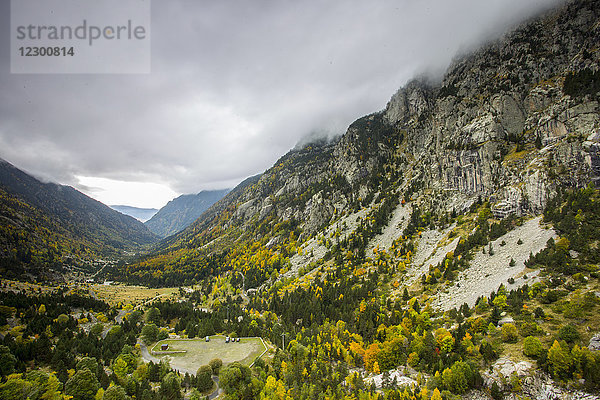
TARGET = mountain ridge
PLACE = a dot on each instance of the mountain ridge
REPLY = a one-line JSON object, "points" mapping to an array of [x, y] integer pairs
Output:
{"points": [[33, 211], [500, 126], [180, 212]]}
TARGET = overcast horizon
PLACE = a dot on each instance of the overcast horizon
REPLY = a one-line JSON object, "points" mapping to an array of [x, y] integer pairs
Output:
{"points": [[233, 86]]}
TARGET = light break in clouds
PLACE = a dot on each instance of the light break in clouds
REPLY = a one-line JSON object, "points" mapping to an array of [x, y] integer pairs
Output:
{"points": [[234, 85]]}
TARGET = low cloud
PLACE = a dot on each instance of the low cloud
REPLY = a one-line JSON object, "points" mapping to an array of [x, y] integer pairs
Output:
{"points": [[234, 85]]}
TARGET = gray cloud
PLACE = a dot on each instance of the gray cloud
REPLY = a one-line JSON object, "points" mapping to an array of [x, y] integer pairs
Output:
{"points": [[234, 85]]}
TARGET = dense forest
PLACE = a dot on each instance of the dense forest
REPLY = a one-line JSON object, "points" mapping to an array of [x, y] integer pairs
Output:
{"points": [[339, 329], [336, 274]]}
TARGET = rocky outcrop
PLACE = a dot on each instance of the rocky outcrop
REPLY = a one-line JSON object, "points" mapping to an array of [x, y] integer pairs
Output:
{"points": [[594, 343], [520, 380], [500, 125], [501, 122]]}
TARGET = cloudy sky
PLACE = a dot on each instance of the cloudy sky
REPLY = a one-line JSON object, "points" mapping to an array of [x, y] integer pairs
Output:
{"points": [[233, 86]]}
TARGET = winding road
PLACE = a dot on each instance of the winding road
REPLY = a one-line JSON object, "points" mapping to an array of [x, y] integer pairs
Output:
{"points": [[217, 391]]}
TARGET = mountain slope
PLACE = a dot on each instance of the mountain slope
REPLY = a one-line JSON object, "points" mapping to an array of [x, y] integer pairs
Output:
{"points": [[178, 213], [414, 246], [59, 222], [511, 124], [141, 214]]}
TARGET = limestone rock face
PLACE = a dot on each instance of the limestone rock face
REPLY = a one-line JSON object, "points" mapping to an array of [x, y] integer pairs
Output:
{"points": [[408, 102], [501, 119], [535, 385], [500, 125]]}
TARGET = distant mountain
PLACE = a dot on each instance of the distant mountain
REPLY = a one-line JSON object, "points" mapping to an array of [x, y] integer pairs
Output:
{"points": [[45, 224], [141, 214], [182, 211]]}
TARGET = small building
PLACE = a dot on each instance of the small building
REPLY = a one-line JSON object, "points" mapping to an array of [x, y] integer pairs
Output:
{"points": [[227, 339], [207, 339], [164, 347], [237, 339]]}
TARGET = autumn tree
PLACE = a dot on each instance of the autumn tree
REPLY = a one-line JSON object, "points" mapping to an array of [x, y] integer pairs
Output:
{"points": [[559, 360]]}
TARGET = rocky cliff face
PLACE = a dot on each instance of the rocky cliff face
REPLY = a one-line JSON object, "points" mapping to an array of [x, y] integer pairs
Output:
{"points": [[476, 133], [499, 125], [178, 213], [511, 123]]}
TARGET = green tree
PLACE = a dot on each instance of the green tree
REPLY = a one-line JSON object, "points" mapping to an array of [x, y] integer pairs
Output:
{"points": [[115, 392], [124, 364], [500, 301], [16, 388], [135, 316], [89, 363], [150, 333], [204, 378], [97, 330], [195, 394], [458, 378], [569, 334], [532, 347], [46, 386], [7, 361], [170, 387], [235, 379], [405, 295], [163, 333], [495, 392], [83, 385], [153, 316], [216, 364]]}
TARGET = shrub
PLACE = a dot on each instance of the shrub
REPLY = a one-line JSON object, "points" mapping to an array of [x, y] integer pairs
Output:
{"points": [[532, 347], [459, 377], [530, 329], [509, 333], [569, 334]]}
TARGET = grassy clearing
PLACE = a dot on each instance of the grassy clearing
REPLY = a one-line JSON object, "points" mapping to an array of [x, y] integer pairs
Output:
{"points": [[134, 295], [198, 352]]}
